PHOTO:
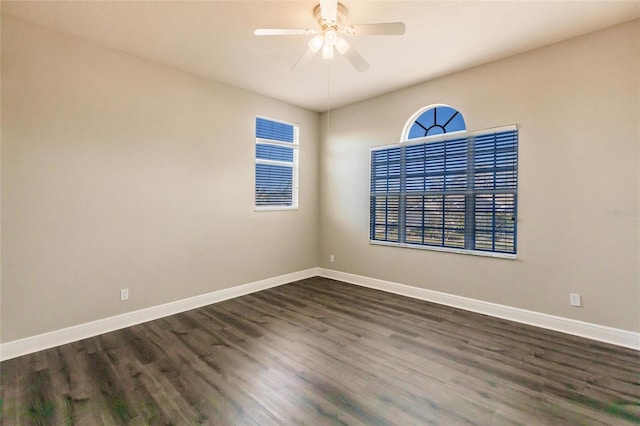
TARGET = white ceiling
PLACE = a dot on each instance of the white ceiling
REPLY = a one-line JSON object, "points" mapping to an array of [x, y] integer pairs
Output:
{"points": [[215, 39]]}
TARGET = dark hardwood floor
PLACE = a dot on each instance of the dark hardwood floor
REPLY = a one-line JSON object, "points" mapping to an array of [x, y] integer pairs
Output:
{"points": [[321, 352]]}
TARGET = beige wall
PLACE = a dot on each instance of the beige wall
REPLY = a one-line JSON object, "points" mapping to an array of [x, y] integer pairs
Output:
{"points": [[577, 107], [118, 173]]}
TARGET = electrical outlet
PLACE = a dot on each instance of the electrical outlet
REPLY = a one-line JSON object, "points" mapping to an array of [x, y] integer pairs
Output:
{"points": [[574, 299], [331, 258], [124, 294]]}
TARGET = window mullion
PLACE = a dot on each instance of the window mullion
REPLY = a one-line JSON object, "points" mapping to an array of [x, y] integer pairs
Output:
{"points": [[470, 198], [262, 141], [275, 162], [386, 202], [402, 202]]}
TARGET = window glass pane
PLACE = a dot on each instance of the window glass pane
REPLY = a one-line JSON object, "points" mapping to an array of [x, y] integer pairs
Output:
{"points": [[436, 121], [453, 238], [268, 129], [274, 185], [385, 175], [273, 152], [413, 235], [456, 124], [416, 131], [495, 222], [456, 152], [435, 130], [384, 217], [454, 211]]}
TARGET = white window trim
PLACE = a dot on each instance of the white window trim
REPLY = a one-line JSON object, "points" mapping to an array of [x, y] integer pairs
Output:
{"points": [[444, 136], [407, 126], [445, 249]]}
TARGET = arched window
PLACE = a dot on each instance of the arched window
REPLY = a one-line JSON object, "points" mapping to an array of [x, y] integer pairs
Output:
{"points": [[445, 188], [433, 120]]}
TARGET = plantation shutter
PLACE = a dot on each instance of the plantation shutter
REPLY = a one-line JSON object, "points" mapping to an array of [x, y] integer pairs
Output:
{"points": [[495, 171], [385, 194], [451, 192]]}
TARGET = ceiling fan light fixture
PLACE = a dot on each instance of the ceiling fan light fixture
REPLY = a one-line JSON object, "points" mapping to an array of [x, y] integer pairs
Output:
{"points": [[327, 51], [316, 43], [330, 16], [342, 46], [330, 37]]}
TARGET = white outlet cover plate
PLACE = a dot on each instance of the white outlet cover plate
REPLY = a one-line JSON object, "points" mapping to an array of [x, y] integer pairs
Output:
{"points": [[574, 299]]}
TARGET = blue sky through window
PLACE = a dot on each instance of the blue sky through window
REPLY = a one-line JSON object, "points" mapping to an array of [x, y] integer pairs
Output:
{"points": [[274, 130], [436, 121]]}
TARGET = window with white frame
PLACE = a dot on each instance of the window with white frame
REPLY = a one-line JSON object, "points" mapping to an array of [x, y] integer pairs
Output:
{"points": [[434, 120], [276, 164], [452, 192]]}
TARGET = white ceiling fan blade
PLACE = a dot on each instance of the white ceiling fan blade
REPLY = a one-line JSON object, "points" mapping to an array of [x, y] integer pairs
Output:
{"points": [[386, 28], [356, 60], [346, 50], [282, 31], [304, 59], [329, 9]]}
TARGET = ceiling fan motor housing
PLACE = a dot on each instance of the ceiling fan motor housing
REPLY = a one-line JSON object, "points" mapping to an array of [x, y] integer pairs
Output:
{"points": [[341, 14]]}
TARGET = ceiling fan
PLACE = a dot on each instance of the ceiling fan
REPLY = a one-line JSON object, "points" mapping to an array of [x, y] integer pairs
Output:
{"points": [[330, 16]]}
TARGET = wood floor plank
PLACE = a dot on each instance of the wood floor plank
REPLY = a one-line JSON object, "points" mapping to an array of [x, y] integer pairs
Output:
{"points": [[322, 352], [10, 390]]}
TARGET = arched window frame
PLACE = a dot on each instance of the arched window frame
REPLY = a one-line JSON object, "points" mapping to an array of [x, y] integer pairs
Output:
{"points": [[409, 124]]}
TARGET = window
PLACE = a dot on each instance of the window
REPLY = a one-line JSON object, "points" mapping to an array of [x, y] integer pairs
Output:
{"points": [[449, 192], [434, 120], [276, 165]]}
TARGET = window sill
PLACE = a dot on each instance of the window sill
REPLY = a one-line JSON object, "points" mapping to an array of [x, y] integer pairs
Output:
{"points": [[446, 249], [275, 209]]}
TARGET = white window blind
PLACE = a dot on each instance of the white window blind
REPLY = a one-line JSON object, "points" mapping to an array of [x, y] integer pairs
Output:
{"points": [[276, 164]]}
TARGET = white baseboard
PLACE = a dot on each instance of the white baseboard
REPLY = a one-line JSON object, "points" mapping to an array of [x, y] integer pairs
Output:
{"points": [[597, 332], [39, 342]]}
